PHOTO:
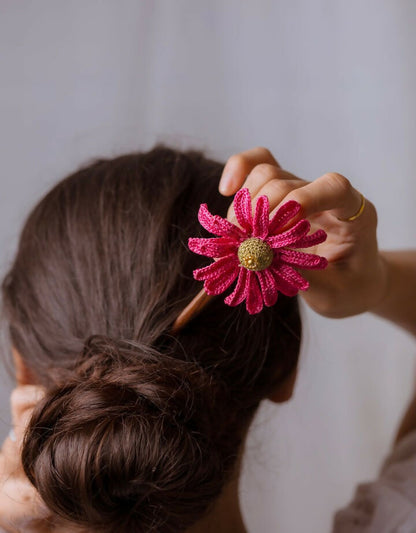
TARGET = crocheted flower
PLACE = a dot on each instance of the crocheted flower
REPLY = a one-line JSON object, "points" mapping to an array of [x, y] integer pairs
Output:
{"points": [[260, 254]]}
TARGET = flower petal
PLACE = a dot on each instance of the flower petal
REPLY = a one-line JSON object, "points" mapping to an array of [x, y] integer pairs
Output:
{"points": [[288, 211], [268, 287], [290, 236], [218, 225], [290, 275], [254, 300], [221, 284], [261, 218], [217, 268], [239, 293], [242, 209], [302, 259], [311, 240], [282, 285], [215, 247]]}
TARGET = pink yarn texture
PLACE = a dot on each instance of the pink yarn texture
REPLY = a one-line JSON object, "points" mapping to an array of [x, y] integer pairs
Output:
{"points": [[277, 240]]}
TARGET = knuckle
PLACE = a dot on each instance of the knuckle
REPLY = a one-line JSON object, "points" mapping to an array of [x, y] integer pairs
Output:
{"points": [[265, 152], [266, 170], [236, 160], [339, 181], [372, 212], [302, 197], [276, 186]]}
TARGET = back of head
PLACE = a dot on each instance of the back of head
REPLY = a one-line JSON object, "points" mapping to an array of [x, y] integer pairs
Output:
{"points": [[139, 430]]}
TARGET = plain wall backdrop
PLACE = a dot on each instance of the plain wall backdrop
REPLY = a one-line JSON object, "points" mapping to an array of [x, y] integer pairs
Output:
{"points": [[327, 86]]}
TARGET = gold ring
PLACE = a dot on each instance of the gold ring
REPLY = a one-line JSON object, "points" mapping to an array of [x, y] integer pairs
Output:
{"points": [[357, 214]]}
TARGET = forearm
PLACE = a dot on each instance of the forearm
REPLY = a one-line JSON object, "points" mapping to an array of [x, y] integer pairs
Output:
{"points": [[398, 303], [399, 306]]}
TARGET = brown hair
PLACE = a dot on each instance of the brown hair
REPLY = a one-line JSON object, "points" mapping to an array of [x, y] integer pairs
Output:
{"points": [[139, 430]]}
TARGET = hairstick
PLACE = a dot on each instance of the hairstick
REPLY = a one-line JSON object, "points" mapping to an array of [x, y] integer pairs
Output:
{"points": [[261, 254]]}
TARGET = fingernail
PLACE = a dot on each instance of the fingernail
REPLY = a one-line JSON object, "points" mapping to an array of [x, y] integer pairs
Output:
{"points": [[224, 185]]}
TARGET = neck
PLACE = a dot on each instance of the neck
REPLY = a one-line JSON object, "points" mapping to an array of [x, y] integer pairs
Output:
{"points": [[225, 515]]}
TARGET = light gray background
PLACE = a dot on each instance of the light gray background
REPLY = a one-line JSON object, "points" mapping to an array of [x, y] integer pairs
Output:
{"points": [[328, 86]]}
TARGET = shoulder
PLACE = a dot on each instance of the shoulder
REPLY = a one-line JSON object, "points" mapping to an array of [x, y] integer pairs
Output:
{"points": [[387, 505]]}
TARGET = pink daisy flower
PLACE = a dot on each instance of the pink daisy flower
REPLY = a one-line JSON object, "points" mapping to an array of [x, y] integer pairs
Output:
{"points": [[259, 254]]}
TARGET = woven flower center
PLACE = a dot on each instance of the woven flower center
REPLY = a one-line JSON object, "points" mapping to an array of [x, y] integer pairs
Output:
{"points": [[255, 254]]}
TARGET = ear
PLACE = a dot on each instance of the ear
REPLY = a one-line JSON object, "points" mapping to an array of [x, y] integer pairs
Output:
{"points": [[284, 391], [23, 374]]}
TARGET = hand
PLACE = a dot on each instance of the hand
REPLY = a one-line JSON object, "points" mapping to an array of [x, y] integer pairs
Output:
{"points": [[21, 508], [355, 279]]}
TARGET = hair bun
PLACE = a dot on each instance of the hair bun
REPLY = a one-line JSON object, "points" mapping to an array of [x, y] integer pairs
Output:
{"points": [[128, 443]]}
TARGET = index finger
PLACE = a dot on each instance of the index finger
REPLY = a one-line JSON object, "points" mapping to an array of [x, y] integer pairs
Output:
{"points": [[239, 166]]}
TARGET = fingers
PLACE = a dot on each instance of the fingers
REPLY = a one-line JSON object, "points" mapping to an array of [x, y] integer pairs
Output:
{"points": [[268, 177], [269, 180], [331, 192], [278, 189], [240, 165], [21, 508], [258, 170]]}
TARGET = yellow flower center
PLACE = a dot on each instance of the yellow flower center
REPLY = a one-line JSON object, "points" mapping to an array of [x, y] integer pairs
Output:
{"points": [[255, 254]]}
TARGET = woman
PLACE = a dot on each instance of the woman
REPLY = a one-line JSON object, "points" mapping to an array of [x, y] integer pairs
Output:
{"points": [[121, 424]]}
